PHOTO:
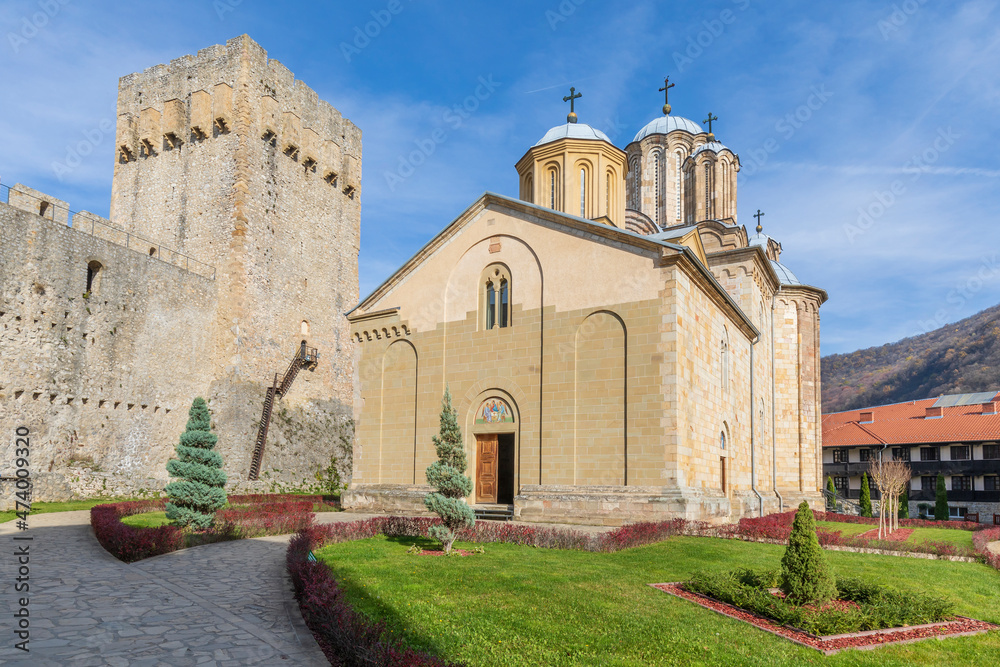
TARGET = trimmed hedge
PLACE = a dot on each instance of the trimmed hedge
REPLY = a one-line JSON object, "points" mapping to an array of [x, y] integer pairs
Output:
{"points": [[247, 516]]}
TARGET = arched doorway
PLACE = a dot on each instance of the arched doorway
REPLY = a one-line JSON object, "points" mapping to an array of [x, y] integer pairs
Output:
{"points": [[494, 426]]}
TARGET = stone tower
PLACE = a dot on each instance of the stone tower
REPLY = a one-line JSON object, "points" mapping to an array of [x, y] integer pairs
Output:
{"points": [[233, 237], [225, 157]]}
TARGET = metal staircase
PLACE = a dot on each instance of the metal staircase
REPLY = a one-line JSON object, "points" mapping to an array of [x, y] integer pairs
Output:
{"points": [[305, 357]]}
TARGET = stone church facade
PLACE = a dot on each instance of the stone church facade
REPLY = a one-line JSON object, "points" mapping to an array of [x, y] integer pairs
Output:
{"points": [[617, 346], [233, 237]]}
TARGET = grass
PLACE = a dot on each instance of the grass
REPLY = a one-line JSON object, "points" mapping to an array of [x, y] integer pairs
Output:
{"points": [[147, 520], [951, 535], [518, 605], [66, 506]]}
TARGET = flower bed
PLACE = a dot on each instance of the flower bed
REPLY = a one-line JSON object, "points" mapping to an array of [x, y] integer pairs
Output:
{"points": [[245, 517], [903, 523]]}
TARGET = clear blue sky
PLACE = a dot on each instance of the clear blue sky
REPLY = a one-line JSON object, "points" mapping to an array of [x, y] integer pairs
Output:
{"points": [[828, 105]]}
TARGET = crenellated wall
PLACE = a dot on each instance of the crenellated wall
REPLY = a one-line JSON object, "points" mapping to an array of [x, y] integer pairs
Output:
{"points": [[233, 236]]}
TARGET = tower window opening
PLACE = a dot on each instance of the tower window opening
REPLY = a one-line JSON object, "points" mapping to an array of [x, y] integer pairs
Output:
{"points": [[583, 193], [656, 188], [304, 328], [677, 194], [93, 269], [552, 188], [607, 195]]}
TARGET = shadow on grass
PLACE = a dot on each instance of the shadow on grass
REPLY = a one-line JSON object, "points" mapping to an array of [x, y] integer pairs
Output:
{"points": [[374, 610]]}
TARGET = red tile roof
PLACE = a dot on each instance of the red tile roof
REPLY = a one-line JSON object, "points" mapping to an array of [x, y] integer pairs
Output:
{"points": [[905, 423]]}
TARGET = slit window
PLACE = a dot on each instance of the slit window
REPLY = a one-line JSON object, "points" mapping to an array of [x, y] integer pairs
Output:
{"points": [[491, 305], [93, 273]]}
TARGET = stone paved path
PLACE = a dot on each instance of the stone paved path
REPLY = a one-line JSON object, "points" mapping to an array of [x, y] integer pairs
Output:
{"points": [[227, 604]]}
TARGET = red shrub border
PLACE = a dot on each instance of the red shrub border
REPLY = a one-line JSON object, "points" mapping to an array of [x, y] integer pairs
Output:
{"points": [[263, 515]]}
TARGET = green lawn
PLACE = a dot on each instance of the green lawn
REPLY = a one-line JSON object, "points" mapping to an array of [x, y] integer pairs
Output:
{"points": [[147, 520], [67, 506], [952, 535], [518, 605]]}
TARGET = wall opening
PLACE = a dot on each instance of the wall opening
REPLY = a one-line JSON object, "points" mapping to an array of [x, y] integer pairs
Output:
{"points": [[304, 328], [93, 275]]}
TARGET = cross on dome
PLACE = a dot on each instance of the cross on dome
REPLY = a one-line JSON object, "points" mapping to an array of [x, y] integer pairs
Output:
{"points": [[666, 95], [571, 98]]}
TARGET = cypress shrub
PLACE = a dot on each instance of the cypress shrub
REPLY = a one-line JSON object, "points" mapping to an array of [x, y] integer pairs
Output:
{"points": [[447, 476], [805, 576], [199, 491], [904, 505], [831, 503], [866, 496], [941, 501]]}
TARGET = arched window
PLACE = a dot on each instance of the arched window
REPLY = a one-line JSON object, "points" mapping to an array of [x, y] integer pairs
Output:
{"points": [[304, 328], [635, 181], [93, 276], [583, 192], [529, 189], [496, 301], [678, 159], [656, 188], [724, 208], [607, 195], [552, 188], [708, 191], [722, 440]]}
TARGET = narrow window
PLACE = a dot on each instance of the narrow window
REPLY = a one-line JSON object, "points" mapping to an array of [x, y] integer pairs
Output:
{"points": [[708, 192], [722, 440], [552, 188], [583, 193], [724, 361], [656, 187], [607, 195], [304, 328], [93, 269], [491, 305], [504, 302], [677, 198], [722, 473]]}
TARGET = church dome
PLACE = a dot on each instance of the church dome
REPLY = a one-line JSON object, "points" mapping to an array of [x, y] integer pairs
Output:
{"points": [[714, 146], [666, 124], [785, 276], [572, 131], [759, 239]]}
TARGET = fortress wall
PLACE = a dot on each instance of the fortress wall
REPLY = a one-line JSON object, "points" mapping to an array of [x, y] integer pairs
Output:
{"points": [[102, 381]]}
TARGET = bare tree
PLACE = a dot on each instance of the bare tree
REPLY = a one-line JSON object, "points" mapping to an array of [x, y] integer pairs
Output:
{"points": [[890, 478]]}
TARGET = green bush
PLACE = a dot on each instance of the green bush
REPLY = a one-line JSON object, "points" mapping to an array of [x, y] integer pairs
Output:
{"points": [[866, 496], [805, 575], [879, 607], [904, 505], [199, 490], [940, 501]]}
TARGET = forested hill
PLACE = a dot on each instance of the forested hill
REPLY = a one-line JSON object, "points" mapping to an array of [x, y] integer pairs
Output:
{"points": [[957, 358]]}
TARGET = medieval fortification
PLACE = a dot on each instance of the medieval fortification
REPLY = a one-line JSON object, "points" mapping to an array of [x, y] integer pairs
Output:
{"points": [[233, 237]]}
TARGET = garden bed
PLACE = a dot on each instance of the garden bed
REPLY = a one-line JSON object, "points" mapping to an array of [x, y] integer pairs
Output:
{"points": [[957, 627], [245, 517]]}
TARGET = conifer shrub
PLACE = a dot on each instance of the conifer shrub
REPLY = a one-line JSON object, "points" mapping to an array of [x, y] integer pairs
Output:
{"points": [[940, 501], [447, 476], [866, 496], [198, 491], [831, 502], [805, 576], [904, 505]]}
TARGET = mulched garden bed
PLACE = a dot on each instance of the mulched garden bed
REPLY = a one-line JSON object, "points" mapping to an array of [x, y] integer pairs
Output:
{"points": [[831, 644], [898, 535]]}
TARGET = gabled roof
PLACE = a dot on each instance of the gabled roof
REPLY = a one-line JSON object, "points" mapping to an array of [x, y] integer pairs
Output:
{"points": [[563, 222], [907, 424]]}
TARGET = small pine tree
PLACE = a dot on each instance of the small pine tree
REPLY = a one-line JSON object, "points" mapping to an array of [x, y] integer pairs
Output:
{"points": [[447, 475], [866, 496], [200, 491], [805, 576], [941, 500], [831, 503], [904, 505]]}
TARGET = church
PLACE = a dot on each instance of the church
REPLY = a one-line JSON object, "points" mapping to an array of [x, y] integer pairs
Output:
{"points": [[618, 348]]}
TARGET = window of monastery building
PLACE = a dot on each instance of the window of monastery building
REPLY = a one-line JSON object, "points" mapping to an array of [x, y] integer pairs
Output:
{"points": [[960, 453], [928, 482], [496, 297], [930, 454], [841, 484], [991, 482], [866, 455], [991, 452], [957, 512], [840, 456], [900, 453], [961, 483]]}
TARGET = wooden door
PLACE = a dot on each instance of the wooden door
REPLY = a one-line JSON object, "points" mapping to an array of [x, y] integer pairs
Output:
{"points": [[486, 468]]}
